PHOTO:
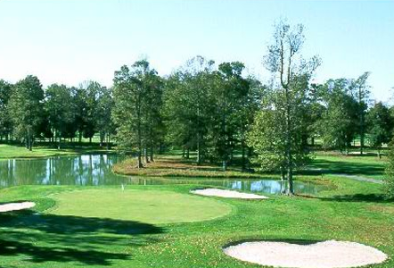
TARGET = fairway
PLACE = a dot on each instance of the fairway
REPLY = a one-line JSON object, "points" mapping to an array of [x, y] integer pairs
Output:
{"points": [[147, 206]]}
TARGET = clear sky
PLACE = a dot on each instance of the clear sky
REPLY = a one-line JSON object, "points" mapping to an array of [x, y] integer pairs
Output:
{"points": [[70, 41]]}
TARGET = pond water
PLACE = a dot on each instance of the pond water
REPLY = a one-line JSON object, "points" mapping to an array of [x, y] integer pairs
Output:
{"points": [[95, 170]]}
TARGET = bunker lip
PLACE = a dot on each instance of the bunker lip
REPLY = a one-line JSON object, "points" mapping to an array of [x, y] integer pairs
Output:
{"points": [[226, 194], [326, 254], [16, 206]]}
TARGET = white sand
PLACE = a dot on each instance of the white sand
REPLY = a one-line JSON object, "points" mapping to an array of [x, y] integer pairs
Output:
{"points": [[227, 194], [328, 254], [16, 206]]}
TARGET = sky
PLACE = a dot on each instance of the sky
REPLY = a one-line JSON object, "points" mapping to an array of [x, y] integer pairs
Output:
{"points": [[72, 41]]}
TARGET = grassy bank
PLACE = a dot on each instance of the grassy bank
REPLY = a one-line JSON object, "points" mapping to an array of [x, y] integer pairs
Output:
{"points": [[173, 165], [61, 236], [18, 151], [169, 166]]}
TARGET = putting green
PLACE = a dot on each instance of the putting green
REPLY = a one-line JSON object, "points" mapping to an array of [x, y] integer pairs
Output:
{"points": [[148, 206]]}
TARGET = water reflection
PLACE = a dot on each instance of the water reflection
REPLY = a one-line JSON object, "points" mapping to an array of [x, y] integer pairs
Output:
{"points": [[94, 170]]}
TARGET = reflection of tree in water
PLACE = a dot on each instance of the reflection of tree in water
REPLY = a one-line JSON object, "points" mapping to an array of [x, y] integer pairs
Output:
{"points": [[96, 170]]}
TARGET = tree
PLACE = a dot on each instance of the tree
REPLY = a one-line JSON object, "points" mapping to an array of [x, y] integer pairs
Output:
{"points": [[337, 124], [25, 107], [389, 179], [5, 120], [134, 93], [230, 95], [380, 126], [284, 110], [61, 110], [361, 92], [188, 105], [104, 122]]}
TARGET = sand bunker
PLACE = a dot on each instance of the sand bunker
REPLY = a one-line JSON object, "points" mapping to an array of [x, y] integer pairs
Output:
{"points": [[328, 254], [227, 194], [16, 206]]}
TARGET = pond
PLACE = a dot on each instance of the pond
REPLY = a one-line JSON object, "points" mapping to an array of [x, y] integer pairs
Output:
{"points": [[95, 170]]}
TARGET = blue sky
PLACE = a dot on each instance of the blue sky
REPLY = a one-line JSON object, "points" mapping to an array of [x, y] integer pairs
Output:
{"points": [[70, 41]]}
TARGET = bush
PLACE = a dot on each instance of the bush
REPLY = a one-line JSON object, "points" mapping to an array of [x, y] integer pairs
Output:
{"points": [[390, 173]]}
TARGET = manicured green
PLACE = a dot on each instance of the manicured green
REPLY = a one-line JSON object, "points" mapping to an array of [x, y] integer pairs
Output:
{"points": [[353, 211], [153, 207]]}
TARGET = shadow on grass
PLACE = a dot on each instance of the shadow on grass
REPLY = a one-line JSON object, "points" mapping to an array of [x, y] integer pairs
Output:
{"points": [[89, 241], [370, 198], [301, 242], [343, 167]]}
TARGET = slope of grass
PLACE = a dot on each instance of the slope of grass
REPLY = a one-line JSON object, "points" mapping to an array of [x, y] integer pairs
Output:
{"points": [[354, 211]]}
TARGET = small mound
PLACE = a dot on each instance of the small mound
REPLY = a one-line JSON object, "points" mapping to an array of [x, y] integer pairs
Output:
{"points": [[227, 194], [16, 206], [328, 254]]}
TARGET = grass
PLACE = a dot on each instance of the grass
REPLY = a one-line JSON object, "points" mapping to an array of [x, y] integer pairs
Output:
{"points": [[153, 207], [172, 165], [354, 211], [368, 166], [165, 166], [17, 151]]}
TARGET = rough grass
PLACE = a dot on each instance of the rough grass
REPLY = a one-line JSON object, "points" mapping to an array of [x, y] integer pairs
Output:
{"points": [[153, 207], [166, 166], [172, 165], [354, 211]]}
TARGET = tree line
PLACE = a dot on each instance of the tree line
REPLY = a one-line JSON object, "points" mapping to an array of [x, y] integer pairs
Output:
{"points": [[217, 111]]}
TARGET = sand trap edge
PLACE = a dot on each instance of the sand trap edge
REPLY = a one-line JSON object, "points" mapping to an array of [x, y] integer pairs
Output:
{"points": [[214, 192], [16, 206], [317, 255]]}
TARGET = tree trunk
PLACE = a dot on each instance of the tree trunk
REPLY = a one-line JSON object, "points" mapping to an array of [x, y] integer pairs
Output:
{"points": [[198, 149], [224, 165], [289, 155], [243, 155], [146, 155], [188, 153], [151, 154]]}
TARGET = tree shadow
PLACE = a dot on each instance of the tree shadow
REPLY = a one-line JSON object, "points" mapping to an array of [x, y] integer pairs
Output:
{"points": [[369, 198], [53, 238], [301, 242], [341, 167]]}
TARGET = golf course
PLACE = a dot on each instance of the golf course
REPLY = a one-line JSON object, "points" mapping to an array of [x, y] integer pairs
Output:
{"points": [[124, 223]]}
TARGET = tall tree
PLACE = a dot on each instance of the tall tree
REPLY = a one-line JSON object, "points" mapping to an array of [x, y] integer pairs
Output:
{"points": [[5, 120], [337, 125], [188, 105], [230, 95], [380, 126], [25, 107], [288, 98], [133, 93], [361, 92], [60, 108], [103, 113]]}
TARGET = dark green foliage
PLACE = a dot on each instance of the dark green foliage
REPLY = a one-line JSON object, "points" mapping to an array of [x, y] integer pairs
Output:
{"points": [[380, 126], [25, 109], [137, 97], [390, 173]]}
